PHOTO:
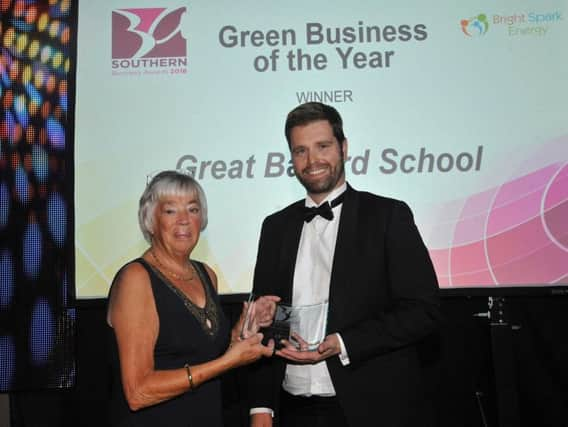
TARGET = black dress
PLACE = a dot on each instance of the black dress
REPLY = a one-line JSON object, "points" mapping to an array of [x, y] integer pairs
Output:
{"points": [[184, 336]]}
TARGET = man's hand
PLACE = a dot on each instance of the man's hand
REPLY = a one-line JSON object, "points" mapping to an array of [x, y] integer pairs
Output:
{"points": [[329, 347], [255, 315], [265, 307], [262, 419]]}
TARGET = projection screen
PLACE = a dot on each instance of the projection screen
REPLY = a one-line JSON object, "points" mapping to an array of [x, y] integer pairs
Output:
{"points": [[457, 108]]}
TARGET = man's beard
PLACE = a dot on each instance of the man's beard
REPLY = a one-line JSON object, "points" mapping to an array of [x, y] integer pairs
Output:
{"points": [[326, 185]]}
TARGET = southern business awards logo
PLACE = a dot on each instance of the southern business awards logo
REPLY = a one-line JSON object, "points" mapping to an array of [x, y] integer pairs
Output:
{"points": [[148, 41], [476, 26]]}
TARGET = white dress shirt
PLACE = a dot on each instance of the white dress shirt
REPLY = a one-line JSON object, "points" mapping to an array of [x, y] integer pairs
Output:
{"points": [[312, 276]]}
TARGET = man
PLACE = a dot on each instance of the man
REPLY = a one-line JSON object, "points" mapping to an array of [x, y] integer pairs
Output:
{"points": [[368, 261]]}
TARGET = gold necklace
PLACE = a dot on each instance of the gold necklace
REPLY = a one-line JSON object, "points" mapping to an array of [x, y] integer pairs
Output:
{"points": [[171, 273]]}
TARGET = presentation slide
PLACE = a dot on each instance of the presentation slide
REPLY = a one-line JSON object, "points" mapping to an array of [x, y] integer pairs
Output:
{"points": [[458, 108]]}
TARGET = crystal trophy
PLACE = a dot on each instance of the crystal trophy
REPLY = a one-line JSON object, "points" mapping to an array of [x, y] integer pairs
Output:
{"points": [[250, 326], [303, 326]]}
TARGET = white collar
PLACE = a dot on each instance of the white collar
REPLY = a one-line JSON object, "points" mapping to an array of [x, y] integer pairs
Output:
{"points": [[331, 196]]}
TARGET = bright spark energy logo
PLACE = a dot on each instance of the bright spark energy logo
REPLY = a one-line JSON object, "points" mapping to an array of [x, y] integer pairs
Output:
{"points": [[148, 40], [476, 26]]}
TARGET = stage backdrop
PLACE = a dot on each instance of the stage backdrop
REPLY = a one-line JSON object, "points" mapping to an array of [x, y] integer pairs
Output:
{"points": [[458, 108]]}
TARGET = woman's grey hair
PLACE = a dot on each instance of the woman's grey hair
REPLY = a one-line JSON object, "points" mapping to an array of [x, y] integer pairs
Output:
{"points": [[168, 183]]}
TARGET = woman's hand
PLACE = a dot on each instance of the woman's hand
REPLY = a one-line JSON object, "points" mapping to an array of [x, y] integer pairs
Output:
{"points": [[245, 351]]}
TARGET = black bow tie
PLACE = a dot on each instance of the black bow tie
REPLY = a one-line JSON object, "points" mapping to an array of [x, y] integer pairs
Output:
{"points": [[323, 210]]}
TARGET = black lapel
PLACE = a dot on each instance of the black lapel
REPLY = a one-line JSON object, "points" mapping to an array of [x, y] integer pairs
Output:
{"points": [[290, 244], [344, 246]]}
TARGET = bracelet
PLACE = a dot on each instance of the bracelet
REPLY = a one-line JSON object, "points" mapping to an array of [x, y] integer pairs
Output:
{"points": [[189, 376]]}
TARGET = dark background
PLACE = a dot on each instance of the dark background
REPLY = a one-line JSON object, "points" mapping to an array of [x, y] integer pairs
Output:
{"points": [[508, 369], [523, 350]]}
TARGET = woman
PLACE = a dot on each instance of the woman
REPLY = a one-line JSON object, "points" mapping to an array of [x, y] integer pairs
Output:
{"points": [[171, 340]]}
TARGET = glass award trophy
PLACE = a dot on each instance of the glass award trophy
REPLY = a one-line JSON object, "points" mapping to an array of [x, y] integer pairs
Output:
{"points": [[250, 326], [302, 326]]}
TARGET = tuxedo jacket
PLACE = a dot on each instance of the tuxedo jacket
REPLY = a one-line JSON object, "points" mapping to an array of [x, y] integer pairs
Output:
{"points": [[383, 299]]}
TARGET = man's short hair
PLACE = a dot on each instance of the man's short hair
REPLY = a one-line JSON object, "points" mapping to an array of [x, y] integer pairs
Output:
{"points": [[311, 112]]}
